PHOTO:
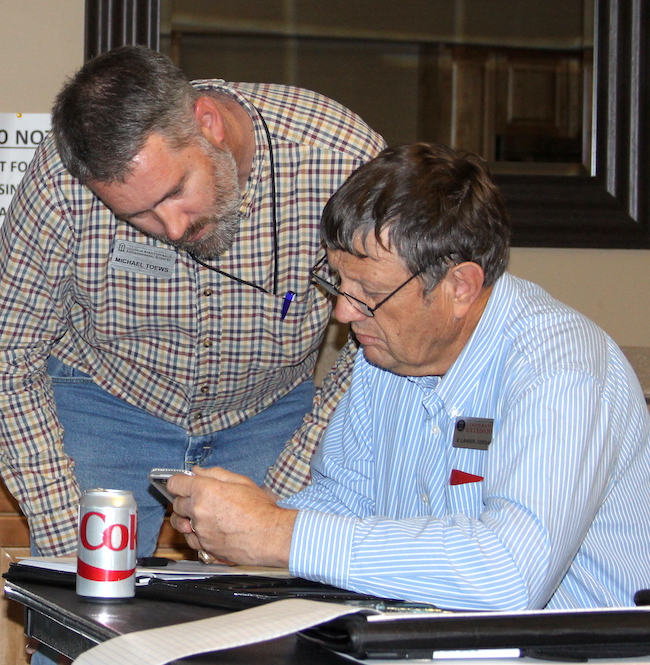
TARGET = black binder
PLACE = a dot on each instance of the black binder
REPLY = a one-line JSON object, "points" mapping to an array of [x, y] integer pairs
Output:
{"points": [[573, 636], [238, 592]]}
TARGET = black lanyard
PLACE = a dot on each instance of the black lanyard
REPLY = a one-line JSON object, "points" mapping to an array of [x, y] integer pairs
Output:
{"points": [[275, 231]]}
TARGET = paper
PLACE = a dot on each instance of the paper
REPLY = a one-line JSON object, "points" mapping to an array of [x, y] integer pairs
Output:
{"points": [[175, 570], [258, 624]]}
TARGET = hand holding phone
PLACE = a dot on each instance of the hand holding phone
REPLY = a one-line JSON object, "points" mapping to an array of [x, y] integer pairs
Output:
{"points": [[159, 477]]}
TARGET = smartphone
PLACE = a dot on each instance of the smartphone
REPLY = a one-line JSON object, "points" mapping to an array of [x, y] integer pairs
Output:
{"points": [[159, 477]]}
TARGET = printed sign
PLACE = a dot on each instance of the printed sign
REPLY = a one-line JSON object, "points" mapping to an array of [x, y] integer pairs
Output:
{"points": [[20, 134]]}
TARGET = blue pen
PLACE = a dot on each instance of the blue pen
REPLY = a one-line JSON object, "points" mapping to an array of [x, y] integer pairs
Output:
{"points": [[290, 295]]}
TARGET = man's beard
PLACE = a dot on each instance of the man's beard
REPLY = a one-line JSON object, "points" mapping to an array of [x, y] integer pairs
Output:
{"points": [[222, 219]]}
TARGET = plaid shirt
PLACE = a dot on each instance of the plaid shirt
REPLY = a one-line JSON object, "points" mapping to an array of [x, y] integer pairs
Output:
{"points": [[198, 350]]}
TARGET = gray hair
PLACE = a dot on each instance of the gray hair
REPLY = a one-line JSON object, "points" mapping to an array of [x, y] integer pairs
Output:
{"points": [[440, 207], [105, 113]]}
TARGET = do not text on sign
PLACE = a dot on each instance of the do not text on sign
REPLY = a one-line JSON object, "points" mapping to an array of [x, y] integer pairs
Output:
{"points": [[20, 135]]}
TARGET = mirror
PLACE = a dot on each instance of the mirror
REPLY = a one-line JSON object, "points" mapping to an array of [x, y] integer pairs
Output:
{"points": [[503, 79], [597, 201]]}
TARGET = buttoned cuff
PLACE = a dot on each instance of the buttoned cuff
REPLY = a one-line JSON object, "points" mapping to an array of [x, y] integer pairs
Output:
{"points": [[321, 547]]}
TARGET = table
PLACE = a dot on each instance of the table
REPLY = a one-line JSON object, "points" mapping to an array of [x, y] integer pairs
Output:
{"points": [[56, 616]]}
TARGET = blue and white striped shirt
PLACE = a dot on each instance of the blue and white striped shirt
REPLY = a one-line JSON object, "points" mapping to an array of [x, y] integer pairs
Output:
{"points": [[561, 517]]}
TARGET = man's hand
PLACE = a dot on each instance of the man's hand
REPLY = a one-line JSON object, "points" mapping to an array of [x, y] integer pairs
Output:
{"points": [[232, 518]]}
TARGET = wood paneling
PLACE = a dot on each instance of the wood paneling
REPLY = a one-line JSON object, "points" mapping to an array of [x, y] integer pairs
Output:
{"points": [[14, 543], [13, 642], [504, 104]]}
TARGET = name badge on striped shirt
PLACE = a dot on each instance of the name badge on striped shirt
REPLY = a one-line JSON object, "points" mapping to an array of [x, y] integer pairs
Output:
{"points": [[143, 259], [473, 433]]}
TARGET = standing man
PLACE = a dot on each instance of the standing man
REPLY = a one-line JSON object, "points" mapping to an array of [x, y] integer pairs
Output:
{"points": [[493, 449], [155, 301]]}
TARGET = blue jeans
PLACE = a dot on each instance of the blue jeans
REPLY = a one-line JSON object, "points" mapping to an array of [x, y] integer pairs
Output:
{"points": [[115, 445]]}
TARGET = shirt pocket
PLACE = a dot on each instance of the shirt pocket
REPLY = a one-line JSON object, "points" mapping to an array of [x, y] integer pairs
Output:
{"points": [[289, 341], [467, 469]]}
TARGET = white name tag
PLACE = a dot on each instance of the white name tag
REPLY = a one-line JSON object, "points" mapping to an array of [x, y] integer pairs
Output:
{"points": [[143, 259], [473, 433]]}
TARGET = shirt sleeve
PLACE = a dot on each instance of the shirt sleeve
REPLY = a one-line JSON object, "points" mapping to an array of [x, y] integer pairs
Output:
{"points": [[291, 471], [547, 475], [34, 279]]}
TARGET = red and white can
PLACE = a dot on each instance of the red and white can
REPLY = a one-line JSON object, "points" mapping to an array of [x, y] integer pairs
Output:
{"points": [[106, 551]]}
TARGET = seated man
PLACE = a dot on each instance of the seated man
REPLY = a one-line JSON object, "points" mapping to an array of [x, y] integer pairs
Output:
{"points": [[492, 451]]}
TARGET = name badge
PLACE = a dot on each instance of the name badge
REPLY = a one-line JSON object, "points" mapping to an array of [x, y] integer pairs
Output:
{"points": [[473, 433], [143, 259]]}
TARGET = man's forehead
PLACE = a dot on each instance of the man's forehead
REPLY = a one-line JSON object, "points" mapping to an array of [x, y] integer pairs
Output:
{"points": [[373, 262], [152, 175], [366, 244]]}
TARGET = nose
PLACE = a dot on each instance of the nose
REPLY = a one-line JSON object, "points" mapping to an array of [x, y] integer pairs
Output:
{"points": [[346, 312], [173, 221]]}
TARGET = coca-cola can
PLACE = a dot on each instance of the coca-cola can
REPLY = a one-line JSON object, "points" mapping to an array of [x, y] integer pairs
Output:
{"points": [[106, 551]]}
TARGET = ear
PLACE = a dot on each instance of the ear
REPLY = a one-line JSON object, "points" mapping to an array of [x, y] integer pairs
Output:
{"points": [[466, 283], [210, 120]]}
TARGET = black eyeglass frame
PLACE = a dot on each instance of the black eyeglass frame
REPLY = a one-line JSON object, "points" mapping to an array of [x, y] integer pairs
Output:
{"points": [[359, 305]]}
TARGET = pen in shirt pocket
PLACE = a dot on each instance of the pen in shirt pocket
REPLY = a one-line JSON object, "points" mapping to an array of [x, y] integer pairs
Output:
{"points": [[288, 299]]}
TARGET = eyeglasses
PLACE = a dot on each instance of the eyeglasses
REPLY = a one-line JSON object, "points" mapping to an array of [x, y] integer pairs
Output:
{"points": [[361, 306]]}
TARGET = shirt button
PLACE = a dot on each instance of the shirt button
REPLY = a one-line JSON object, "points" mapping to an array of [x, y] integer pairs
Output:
{"points": [[425, 498], [205, 389], [208, 292], [435, 429], [198, 416], [207, 343]]}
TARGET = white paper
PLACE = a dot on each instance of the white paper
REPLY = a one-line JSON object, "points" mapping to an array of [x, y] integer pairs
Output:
{"points": [[258, 624], [175, 570]]}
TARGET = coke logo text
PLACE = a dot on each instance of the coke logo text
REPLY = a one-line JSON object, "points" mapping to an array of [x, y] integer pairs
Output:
{"points": [[115, 537]]}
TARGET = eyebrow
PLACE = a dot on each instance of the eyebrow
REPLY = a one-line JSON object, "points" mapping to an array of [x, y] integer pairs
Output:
{"points": [[362, 283], [164, 197]]}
